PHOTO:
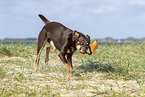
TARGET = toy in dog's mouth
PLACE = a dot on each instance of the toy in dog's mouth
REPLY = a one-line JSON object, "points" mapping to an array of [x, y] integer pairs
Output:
{"points": [[91, 48]]}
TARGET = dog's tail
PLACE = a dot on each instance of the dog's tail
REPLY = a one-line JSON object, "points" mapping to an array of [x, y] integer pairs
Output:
{"points": [[46, 21]]}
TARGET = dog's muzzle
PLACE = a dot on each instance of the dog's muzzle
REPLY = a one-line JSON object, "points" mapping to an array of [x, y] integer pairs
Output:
{"points": [[86, 47], [91, 48]]}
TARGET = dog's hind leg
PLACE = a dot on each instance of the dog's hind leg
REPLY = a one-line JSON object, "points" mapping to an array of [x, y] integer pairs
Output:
{"points": [[52, 46], [47, 55], [39, 50]]}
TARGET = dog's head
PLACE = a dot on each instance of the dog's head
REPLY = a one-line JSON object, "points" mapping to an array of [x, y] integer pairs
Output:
{"points": [[82, 42]]}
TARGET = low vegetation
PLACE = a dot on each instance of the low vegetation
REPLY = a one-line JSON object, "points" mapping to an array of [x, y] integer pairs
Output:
{"points": [[113, 70]]}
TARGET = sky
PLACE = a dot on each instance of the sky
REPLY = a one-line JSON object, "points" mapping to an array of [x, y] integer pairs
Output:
{"points": [[97, 18]]}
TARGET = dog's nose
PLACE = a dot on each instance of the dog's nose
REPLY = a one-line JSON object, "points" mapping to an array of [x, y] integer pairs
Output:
{"points": [[83, 50]]}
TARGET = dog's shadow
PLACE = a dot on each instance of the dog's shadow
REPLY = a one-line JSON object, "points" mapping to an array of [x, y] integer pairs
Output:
{"points": [[90, 66]]}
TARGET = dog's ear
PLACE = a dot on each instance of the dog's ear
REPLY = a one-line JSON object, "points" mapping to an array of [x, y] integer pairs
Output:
{"points": [[88, 37], [77, 34]]}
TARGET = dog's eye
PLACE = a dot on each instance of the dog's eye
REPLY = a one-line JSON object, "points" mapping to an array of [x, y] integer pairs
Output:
{"points": [[82, 42]]}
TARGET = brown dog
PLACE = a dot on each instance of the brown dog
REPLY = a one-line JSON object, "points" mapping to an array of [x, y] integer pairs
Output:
{"points": [[62, 38]]}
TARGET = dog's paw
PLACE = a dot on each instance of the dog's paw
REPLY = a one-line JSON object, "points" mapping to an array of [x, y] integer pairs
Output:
{"points": [[35, 69], [75, 74]]}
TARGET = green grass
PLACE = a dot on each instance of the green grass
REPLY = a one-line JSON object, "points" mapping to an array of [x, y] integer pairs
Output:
{"points": [[113, 70]]}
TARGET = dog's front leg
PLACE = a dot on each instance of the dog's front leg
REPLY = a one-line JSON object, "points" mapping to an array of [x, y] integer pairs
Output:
{"points": [[66, 62], [69, 58]]}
